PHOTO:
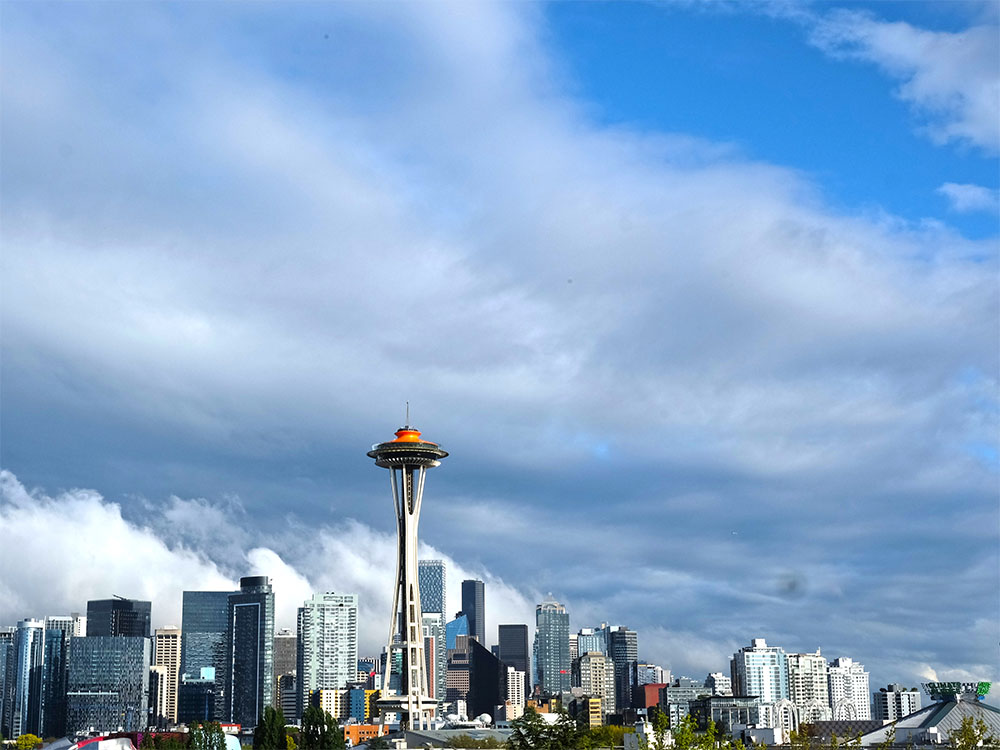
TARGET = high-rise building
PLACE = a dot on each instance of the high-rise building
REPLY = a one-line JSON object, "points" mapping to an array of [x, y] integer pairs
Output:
{"points": [[808, 686], [249, 685], [454, 628], [435, 654], [26, 677], [623, 649], [849, 696], [55, 671], [408, 458], [119, 617], [719, 684], [432, 586], [894, 702], [108, 683], [595, 674], [285, 665], [475, 677], [196, 697], [327, 644], [515, 681], [589, 640], [760, 670], [552, 664], [474, 607], [167, 655], [649, 674], [513, 647], [677, 697], [204, 625], [7, 635]]}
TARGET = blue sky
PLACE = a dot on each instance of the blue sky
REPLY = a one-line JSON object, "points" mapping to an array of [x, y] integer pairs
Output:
{"points": [[702, 299]]}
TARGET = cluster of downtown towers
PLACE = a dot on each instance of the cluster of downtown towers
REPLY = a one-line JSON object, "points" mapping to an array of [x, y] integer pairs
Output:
{"points": [[104, 672]]}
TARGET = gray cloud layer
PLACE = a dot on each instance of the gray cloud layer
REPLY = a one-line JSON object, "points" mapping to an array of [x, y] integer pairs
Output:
{"points": [[680, 391]]}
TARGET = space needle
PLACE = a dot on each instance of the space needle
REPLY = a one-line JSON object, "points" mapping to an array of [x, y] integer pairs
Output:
{"points": [[407, 458]]}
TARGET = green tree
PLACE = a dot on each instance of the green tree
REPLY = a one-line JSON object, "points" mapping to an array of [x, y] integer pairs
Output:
{"points": [[269, 734], [972, 733], [28, 742], [567, 732], [529, 732], [320, 731], [206, 736]]}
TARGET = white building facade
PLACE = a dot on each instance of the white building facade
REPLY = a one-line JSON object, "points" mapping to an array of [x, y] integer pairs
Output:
{"points": [[849, 695], [808, 686], [760, 670], [327, 657]]}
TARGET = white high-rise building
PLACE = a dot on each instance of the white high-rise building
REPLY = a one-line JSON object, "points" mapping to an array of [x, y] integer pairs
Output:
{"points": [[596, 677], [894, 702], [760, 670], [167, 654], [849, 696], [808, 686], [650, 674], [327, 644], [719, 684], [515, 687]]}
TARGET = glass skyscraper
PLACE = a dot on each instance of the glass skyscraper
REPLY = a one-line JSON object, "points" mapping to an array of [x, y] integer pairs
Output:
{"points": [[55, 672], [249, 683], [453, 629], [552, 665], [474, 607], [108, 686], [118, 616], [431, 577], [26, 678], [204, 625], [512, 648]]}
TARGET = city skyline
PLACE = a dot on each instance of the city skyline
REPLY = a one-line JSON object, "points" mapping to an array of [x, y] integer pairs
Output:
{"points": [[726, 311]]}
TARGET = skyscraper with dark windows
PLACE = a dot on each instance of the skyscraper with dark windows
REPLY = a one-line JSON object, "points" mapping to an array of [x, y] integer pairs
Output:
{"points": [[118, 617], [25, 688], [432, 580], [204, 625], [249, 685], [55, 672], [474, 607], [7, 635], [552, 665], [623, 648], [512, 648], [108, 684]]}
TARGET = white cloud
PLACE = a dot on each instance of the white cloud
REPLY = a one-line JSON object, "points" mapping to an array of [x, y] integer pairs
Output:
{"points": [[951, 78], [965, 198]]}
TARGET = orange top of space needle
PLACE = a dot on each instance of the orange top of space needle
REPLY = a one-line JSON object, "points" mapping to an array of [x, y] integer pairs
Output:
{"points": [[409, 434]]}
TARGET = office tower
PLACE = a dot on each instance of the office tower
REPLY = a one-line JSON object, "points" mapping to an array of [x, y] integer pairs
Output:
{"points": [[849, 696], [474, 607], [678, 695], [808, 686], [26, 678], [574, 647], [285, 664], [552, 664], [407, 457], [760, 670], [436, 658], [475, 677], [594, 672], [204, 625], [196, 697], [167, 656], [648, 674], [249, 685], [7, 635], [719, 684], [623, 649], [589, 640], [55, 672], [108, 684], [894, 702], [432, 586], [119, 617], [513, 647], [327, 644]]}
